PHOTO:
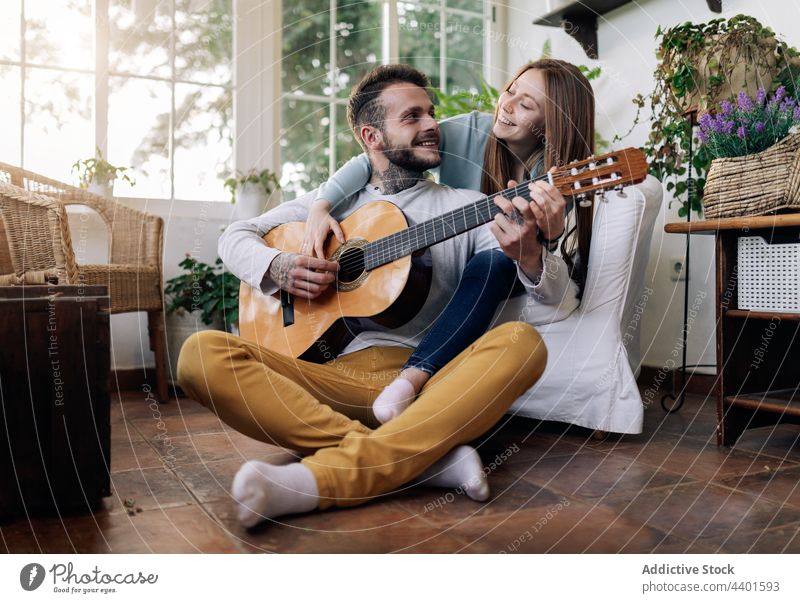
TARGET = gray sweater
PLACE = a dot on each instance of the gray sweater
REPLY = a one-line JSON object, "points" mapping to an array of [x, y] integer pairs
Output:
{"points": [[245, 253]]}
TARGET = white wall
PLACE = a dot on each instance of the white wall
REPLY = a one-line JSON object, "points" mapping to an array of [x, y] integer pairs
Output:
{"points": [[626, 50]]}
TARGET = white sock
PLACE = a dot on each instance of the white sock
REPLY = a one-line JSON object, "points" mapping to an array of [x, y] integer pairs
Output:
{"points": [[461, 467], [263, 491], [394, 399]]}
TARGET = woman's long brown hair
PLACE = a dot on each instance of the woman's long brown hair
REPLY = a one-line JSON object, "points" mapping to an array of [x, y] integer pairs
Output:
{"points": [[568, 136]]}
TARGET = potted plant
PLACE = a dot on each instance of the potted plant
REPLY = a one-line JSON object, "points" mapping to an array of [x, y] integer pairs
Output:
{"points": [[202, 297], [98, 176], [754, 145], [699, 65], [250, 192]]}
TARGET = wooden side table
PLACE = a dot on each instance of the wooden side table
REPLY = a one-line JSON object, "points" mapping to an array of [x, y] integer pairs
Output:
{"points": [[758, 353]]}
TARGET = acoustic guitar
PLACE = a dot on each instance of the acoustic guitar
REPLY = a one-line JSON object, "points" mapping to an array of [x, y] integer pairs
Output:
{"points": [[382, 278]]}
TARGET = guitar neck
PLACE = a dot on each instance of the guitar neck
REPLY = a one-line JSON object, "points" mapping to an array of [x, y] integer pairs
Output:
{"points": [[438, 229], [577, 179]]}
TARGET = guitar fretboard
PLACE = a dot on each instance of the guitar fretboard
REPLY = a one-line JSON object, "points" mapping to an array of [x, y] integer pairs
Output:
{"points": [[438, 229]]}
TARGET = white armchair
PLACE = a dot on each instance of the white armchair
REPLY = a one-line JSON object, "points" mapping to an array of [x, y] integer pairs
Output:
{"points": [[593, 353]]}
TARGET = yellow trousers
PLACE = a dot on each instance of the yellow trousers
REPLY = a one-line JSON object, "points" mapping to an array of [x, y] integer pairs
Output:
{"points": [[324, 411]]}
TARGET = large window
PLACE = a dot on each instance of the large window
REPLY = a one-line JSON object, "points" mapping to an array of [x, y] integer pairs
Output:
{"points": [[149, 82], [329, 44]]}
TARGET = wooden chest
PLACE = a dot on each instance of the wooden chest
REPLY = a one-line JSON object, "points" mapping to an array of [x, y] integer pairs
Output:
{"points": [[55, 425]]}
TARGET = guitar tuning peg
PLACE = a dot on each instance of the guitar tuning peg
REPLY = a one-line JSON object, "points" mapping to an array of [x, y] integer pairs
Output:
{"points": [[601, 192], [584, 200], [620, 190]]}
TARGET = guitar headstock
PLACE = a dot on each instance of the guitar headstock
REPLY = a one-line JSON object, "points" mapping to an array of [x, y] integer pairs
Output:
{"points": [[597, 174]]}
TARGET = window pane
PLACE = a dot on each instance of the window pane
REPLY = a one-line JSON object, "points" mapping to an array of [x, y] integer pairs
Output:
{"points": [[346, 144], [464, 53], [203, 141], [306, 56], [138, 135], [420, 34], [58, 121], [59, 33], [473, 5], [9, 109], [204, 41], [139, 37], [9, 30], [304, 146], [358, 41]]}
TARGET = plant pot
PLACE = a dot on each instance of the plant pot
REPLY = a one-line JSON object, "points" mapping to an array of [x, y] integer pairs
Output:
{"points": [[755, 184], [181, 325], [104, 189], [251, 201], [743, 76]]}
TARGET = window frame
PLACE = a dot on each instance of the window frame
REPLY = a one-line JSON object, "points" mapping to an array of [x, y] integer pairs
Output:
{"points": [[257, 59], [102, 75], [390, 32]]}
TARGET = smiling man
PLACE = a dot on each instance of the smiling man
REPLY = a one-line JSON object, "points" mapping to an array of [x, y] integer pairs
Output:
{"points": [[324, 411]]}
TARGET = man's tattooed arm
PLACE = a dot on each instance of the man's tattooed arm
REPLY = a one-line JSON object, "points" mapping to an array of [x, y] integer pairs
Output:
{"points": [[301, 274], [279, 270]]}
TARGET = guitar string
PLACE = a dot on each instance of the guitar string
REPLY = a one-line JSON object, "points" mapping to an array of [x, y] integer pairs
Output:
{"points": [[376, 253], [381, 249]]}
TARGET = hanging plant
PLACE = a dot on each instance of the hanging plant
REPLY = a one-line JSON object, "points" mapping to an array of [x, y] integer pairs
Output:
{"points": [[700, 65]]}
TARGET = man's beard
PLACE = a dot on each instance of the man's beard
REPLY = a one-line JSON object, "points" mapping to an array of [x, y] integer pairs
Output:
{"points": [[405, 158]]}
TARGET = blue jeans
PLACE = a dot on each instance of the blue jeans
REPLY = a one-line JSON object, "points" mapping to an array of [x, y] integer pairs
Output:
{"points": [[489, 278]]}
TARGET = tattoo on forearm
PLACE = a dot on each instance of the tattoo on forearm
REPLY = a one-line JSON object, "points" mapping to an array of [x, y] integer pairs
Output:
{"points": [[395, 179], [279, 270]]}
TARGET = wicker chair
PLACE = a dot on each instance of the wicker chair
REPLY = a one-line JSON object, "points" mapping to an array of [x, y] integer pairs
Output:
{"points": [[40, 250]]}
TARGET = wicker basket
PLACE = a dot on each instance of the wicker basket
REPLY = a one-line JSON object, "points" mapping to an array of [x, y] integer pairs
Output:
{"points": [[756, 184]]}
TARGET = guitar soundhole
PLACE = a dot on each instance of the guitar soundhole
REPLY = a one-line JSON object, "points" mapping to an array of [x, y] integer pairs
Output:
{"points": [[351, 266]]}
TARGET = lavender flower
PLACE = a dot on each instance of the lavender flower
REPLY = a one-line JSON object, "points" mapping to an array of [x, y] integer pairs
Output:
{"points": [[746, 125], [713, 122], [745, 103]]}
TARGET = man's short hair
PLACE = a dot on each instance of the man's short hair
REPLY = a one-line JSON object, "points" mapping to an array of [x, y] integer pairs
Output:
{"points": [[364, 106]]}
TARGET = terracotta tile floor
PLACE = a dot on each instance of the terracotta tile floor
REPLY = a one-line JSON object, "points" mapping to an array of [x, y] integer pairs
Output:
{"points": [[668, 490]]}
